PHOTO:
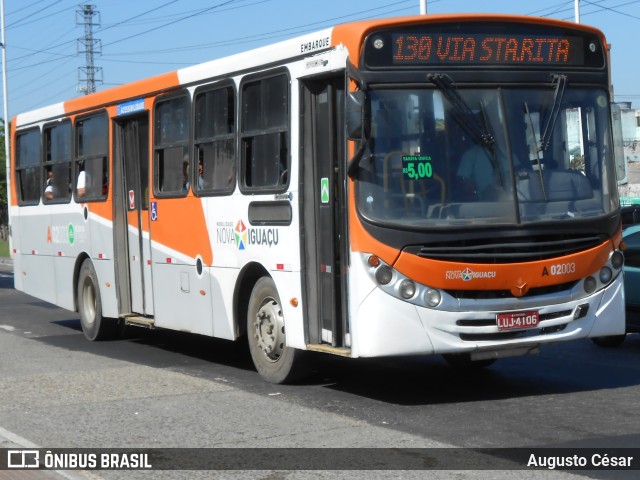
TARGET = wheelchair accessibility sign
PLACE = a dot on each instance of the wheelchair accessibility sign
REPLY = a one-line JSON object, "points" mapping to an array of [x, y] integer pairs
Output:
{"points": [[154, 211]]}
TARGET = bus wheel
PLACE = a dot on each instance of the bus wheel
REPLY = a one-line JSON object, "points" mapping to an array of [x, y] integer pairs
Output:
{"points": [[462, 361], [275, 362], [94, 325]]}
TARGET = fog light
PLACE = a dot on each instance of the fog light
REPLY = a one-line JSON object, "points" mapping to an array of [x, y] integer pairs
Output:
{"points": [[383, 274], [590, 284], [432, 297], [606, 274], [407, 289], [617, 260]]}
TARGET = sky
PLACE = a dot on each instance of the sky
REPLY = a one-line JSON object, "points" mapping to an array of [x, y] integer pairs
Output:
{"points": [[135, 39]]}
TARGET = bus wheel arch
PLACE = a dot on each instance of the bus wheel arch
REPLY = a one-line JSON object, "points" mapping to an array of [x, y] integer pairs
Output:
{"points": [[247, 279], [76, 275], [89, 302]]}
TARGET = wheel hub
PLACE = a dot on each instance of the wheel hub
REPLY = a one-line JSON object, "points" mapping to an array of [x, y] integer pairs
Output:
{"points": [[269, 329]]}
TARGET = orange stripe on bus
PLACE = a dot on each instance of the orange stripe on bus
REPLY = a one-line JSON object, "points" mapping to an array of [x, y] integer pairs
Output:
{"points": [[182, 226], [515, 277], [363, 241], [141, 88]]}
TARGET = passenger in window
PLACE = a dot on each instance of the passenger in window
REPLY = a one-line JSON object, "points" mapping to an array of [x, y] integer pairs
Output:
{"points": [[81, 184], [185, 173], [476, 173], [200, 174], [50, 189]]}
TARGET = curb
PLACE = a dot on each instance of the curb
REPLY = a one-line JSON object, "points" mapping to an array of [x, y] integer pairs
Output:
{"points": [[6, 261]]}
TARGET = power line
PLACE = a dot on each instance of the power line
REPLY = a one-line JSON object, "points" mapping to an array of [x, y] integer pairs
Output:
{"points": [[612, 9], [55, 2], [274, 33]]}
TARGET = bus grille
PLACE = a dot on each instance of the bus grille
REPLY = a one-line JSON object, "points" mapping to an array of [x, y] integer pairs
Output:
{"points": [[493, 294], [507, 250]]}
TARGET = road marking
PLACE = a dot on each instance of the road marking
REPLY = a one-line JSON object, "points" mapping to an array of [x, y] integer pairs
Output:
{"points": [[24, 443], [8, 328], [12, 437]]}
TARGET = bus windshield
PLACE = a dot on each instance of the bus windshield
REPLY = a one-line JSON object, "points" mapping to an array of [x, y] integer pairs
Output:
{"points": [[453, 156]]}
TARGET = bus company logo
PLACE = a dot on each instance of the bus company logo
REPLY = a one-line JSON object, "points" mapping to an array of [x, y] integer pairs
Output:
{"points": [[228, 233], [467, 275], [241, 235], [64, 234]]}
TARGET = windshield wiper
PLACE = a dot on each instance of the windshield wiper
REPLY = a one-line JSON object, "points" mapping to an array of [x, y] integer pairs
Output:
{"points": [[537, 149], [465, 117], [545, 138], [461, 111], [561, 83]]}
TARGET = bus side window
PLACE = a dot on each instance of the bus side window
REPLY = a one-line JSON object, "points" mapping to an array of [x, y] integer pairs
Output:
{"points": [[215, 141], [92, 173], [171, 146], [58, 163], [28, 154], [265, 134]]}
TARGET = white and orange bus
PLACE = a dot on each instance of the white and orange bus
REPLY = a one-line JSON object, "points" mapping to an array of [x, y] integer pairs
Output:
{"points": [[409, 186]]}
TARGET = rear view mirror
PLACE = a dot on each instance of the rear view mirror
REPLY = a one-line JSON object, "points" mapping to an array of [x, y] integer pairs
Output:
{"points": [[355, 114]]}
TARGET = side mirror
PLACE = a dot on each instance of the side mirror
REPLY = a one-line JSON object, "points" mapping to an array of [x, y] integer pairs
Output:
{"points": [[355, 114]]}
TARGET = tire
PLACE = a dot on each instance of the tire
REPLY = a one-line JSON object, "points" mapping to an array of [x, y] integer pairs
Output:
{"points": [[274, 361], [462, 361], [94, 325], [609, 342]]}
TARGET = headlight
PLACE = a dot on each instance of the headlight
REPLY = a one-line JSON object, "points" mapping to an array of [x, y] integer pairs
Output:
{"points": [[590, 285], [606, 275], [407, 289], [617, 260], [384, 274], [391, 281], [432, 297]]}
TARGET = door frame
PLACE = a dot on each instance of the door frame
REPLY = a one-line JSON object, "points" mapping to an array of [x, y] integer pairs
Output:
{"points": [[133, 288], [323, 221]]}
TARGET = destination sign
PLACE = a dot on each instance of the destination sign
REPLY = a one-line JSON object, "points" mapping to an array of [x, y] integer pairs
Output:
{"points": [[478, 45], [453, 48]]}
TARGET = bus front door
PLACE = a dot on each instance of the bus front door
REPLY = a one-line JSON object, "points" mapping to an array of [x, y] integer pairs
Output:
{"points": [[131, 216], [323, 213]]}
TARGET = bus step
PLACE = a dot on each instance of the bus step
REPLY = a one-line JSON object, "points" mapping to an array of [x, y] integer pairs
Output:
{"points": [[139, 321], [342, 351]]}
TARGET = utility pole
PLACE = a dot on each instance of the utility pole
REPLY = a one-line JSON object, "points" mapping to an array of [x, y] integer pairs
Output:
{"points": [[89, 74], [576, 10], [7, 123], [423, 7]]}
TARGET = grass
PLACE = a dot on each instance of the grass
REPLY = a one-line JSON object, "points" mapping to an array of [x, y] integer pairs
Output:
{"points": [[4, 248]]}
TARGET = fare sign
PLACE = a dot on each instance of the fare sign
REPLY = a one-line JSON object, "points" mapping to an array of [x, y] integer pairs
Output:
{"points": [[517, 320]]}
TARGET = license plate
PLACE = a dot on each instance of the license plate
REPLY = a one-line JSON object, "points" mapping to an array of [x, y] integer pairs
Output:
{"points": [[517, 320]]}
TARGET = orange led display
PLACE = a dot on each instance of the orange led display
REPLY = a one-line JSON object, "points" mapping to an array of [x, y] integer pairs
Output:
{"points": [[443, 48]]}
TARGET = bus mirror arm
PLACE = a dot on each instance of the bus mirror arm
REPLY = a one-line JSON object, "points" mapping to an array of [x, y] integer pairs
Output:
{"points": [[352, 166]]}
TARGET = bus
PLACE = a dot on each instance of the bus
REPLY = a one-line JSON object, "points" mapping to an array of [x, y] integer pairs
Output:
{"points": [[382, 188]]}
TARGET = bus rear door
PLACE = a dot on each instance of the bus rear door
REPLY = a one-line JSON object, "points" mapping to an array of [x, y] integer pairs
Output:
{"points": [[131, 218]]}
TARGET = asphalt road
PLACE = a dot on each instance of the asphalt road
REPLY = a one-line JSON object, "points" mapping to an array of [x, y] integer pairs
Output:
{"points": [[172, 390]]}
